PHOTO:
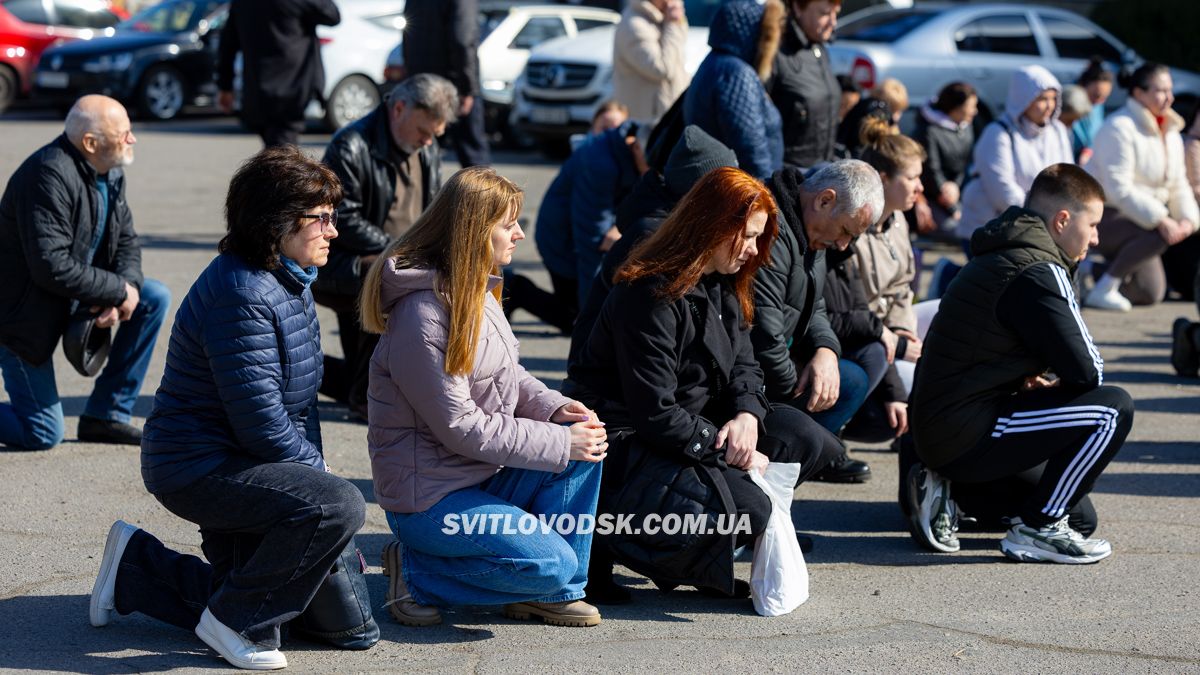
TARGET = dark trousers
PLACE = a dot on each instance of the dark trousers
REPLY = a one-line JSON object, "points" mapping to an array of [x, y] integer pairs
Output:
{"points": [[1074, 434], [558, 308], [791, 436], [989, 503], [270, 532], [470, 138], [345, 379], [280, 132]]}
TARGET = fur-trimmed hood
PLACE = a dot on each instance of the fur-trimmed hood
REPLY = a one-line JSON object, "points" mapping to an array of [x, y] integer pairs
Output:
{"points": [[749, 31]]}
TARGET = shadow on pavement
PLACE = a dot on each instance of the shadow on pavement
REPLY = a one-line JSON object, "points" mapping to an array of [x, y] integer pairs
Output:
{"points": [[152, 241], [1185, 405], [1160, 452], [1149, 484], [73, 405]]}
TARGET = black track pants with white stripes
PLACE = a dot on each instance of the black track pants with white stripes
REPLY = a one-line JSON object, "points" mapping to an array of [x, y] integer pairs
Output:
{"points": [[1075, 434]]}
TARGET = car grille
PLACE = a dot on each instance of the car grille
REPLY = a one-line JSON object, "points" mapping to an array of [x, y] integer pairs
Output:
{"points": [[542, 100], [559, 75]]}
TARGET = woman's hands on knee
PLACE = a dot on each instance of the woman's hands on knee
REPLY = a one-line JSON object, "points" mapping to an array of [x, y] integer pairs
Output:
{"points": [[589, 440]]}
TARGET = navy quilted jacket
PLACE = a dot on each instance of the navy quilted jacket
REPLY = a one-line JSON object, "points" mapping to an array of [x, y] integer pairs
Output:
{"points": [[241, 378], [727, 99]]}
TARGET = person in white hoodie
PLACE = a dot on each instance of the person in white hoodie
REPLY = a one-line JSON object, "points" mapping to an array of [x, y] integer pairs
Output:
{"points": [[1138, 159], [1012, 150]]}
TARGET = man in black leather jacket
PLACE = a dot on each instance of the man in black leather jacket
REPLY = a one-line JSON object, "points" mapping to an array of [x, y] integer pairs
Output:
{"points": [[389, 163]]}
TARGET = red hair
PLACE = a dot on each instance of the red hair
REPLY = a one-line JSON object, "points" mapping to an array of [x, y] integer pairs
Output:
{"points": [[710, 218]]}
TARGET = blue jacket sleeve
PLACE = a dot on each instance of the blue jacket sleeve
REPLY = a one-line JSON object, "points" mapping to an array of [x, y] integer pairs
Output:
{"points": [[242, 348], [740, 96], [593, 210]]}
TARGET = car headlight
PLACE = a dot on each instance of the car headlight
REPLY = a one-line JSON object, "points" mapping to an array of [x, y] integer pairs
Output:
{"points": [[109, 62]]}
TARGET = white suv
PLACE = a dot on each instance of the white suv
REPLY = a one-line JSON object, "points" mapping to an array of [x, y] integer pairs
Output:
{"points": [[567, 78]]}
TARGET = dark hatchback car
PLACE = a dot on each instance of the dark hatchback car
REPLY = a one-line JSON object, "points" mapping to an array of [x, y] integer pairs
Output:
{"points": [[159, 60]]}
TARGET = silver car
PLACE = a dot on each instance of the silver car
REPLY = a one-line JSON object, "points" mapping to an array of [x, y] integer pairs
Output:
{"points": [[930, 45]]}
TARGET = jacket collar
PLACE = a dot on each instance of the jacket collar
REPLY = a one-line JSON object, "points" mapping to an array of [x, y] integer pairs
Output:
{"points": [[85, 167], [1146, 122], [714, 331], [289, 280], [377, 134]]}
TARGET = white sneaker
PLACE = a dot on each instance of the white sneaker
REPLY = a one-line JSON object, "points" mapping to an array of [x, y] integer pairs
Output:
{"points": [[101, 607], [1111, 300], [1057, 542], [234, 648]]}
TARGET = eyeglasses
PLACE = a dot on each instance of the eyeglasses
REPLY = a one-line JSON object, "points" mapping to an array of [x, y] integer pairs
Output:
{"points": [[328, 220]]}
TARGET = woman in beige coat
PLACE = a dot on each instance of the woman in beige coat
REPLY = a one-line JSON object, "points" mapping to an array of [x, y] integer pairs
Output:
{"points": [[649, 51], [1138, 160]]}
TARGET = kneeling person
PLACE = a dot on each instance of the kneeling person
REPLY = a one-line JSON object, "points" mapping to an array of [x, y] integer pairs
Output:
{"points": [[1010, 380]]}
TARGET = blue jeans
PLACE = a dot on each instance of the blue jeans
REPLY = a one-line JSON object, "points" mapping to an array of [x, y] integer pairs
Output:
{"points": [[270, 532], [33, 418], [494, 568], [852, 392]]}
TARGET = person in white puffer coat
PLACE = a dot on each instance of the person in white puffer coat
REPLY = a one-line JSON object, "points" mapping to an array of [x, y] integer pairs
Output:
{"points": [[1138, 159], [1012, 150]]}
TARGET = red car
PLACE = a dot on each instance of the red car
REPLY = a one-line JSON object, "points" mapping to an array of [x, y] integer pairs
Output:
{"points": [[27, 27]]}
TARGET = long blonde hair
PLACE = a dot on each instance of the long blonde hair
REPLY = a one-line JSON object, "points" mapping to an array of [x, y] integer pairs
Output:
{"points": [[453, 238]]}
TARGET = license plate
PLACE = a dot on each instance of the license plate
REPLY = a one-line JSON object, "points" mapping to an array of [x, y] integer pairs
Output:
{"points": [[53, 80], [550, 115]]}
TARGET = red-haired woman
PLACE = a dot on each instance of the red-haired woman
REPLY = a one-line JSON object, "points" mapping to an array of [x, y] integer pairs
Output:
{"points": [[670, 368]]}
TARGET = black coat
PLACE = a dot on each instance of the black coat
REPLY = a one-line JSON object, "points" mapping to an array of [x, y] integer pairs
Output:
{"points": [[281, 57], [789, 303], [48, 219], [665, 376], [808, 96], [641, 213], [949, 155], [361, 156], [442, 37]]}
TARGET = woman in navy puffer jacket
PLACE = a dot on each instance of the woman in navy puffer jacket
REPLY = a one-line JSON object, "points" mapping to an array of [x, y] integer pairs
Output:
{"points": [[727, 98], [233, 443]]}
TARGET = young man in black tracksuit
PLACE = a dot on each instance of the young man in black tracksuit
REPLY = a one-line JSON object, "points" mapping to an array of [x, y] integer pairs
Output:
{"points": [[1010, 380]]}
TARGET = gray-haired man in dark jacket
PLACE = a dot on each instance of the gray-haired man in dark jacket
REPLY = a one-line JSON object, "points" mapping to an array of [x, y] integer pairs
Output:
{"points": [[72, 251]]}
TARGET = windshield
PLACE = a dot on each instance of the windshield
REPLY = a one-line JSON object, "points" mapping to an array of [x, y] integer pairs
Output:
{"points": [[883, 26], [489, 20], [169, 17]]}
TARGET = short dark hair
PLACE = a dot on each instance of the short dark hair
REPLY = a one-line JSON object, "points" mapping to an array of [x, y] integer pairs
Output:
{"points": [[267, 196], [1062, 186], [1095, 72], [1140, 78], [952, 96]]}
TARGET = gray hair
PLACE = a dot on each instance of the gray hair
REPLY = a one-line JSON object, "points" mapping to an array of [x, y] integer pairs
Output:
{"points": [[82, 119], [855, 183], [1075, 101], [431, 93]]}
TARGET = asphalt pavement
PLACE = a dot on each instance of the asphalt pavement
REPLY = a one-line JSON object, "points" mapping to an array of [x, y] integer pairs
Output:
{"points": [[879, 603]]}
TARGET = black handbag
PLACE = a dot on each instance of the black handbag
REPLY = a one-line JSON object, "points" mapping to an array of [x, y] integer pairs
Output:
{"points": [[86, 345], [340, 612]]}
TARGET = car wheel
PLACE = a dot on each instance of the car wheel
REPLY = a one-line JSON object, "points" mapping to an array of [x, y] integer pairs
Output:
{"points": [[160, 96], [352, 98], [8, 87]]}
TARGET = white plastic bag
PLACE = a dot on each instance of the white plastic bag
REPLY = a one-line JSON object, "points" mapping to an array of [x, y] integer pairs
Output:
{"points": [[778, 575]]}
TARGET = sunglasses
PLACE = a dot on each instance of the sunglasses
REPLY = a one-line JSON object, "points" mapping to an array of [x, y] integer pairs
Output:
{"points": [[328, 220]]}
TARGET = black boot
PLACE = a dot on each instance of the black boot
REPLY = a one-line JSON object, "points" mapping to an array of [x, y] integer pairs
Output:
{"points": [[601, 588], [845, 470], [1185, 344]]}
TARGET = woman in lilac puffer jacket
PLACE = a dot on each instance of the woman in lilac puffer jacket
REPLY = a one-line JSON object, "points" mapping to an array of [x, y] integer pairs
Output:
{"points": [[468, 450]]}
